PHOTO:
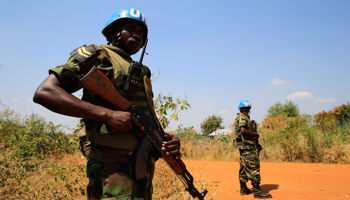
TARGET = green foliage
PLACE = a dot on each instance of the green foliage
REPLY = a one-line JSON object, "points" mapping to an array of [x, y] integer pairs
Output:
{"points": [[185, 132], [188, 133], [342, 114], [288, 109], [25, 144], [211, 124], [163, 104], [224, 138], [31, 137]]}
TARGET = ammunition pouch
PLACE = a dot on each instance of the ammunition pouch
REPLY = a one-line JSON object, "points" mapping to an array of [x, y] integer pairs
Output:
{"points": [[239, 141], [84, 144]]}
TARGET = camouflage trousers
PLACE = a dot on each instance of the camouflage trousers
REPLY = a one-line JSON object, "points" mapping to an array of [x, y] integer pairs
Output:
{"points": [[117, 181], [249, 164]]}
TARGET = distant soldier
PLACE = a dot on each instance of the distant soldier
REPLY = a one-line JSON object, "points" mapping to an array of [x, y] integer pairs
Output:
{"points": [[246, 138]]}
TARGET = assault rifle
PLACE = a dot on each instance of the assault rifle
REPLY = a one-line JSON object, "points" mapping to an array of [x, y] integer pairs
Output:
{"points": [[96, 81], [258, 146]]}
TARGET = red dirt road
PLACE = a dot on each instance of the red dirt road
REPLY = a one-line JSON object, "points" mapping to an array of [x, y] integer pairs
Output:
{"points": [[297, 181]]}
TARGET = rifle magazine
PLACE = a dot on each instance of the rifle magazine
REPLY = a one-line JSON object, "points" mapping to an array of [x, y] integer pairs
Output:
{"points": [[142, 158]]}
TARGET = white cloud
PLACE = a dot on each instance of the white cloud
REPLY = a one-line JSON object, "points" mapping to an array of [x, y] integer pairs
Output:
{"points": [[300, 96], [208, 105], [277, 81], [15, 100], [320, 100], [303, 85], [224, 111]]}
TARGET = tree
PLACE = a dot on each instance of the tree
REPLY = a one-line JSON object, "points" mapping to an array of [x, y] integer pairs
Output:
{"points": [[339, 115], [211, 124], [165, 103], [342, 114], [288, 109]]}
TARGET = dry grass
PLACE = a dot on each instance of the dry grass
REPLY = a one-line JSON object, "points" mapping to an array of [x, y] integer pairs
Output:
{"points": [[38, 161], [168, 186], [28, 172], [302, 140], [210, 149], [53, 179], [65, 179]]}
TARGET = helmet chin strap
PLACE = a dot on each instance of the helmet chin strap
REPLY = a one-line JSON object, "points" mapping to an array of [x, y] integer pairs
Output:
{"points": [[115, 41], [248, 113], [245, 112]]}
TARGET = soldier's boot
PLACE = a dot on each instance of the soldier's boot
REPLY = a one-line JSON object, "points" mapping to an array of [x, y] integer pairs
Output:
{"points": [[244, 189], [258, 193]]}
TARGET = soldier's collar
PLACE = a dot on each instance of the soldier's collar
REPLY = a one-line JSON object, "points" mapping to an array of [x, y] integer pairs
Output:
{"points": [[246, 114], [117, 50]]}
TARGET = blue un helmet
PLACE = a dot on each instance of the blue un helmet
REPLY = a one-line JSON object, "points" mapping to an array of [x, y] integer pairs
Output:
{"points": [[125, 13], [244, 104]]}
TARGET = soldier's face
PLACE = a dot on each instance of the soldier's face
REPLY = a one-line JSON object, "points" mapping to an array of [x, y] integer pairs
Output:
{"points": [[132, 37], [246, 110]]}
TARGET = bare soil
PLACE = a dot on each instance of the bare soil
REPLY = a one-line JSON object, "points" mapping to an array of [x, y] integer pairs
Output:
{"points": [[297, 181]]}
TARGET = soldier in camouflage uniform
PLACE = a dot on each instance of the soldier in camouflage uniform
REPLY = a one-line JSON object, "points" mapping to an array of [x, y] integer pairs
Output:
{"points": [[110, 137], [246, 138]]}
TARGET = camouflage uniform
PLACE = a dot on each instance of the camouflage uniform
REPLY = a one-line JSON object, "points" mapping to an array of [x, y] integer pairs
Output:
{"points": [[249, 160], [111, 156]]}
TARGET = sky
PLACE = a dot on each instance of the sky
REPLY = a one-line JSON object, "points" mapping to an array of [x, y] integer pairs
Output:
{"points": [[211, 53]]}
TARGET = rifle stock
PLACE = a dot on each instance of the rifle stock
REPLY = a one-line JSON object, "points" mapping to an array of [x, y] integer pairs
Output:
{"points": [[97, 82]]}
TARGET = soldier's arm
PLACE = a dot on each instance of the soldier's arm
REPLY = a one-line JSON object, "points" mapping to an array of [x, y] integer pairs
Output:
{"points": [[52, 96], [244, 131]]}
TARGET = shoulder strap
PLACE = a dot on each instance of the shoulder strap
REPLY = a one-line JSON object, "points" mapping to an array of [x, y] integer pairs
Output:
{"points": [[115, 58], [84, 52]]}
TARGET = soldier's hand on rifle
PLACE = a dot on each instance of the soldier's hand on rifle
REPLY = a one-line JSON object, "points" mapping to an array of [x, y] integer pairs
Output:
{"points": [[257, 136], [120, 121], [172, 146]]}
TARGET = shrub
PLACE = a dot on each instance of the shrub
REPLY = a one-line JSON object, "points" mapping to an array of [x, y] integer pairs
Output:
{"points": [[32, 136], [25, 145], [303, 139]]}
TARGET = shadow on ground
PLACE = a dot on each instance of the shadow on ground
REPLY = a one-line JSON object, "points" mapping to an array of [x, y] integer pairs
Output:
{"points": [[268, 187]]}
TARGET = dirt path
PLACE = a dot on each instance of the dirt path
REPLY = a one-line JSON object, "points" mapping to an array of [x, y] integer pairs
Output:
{"points": [[297, 181]]}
